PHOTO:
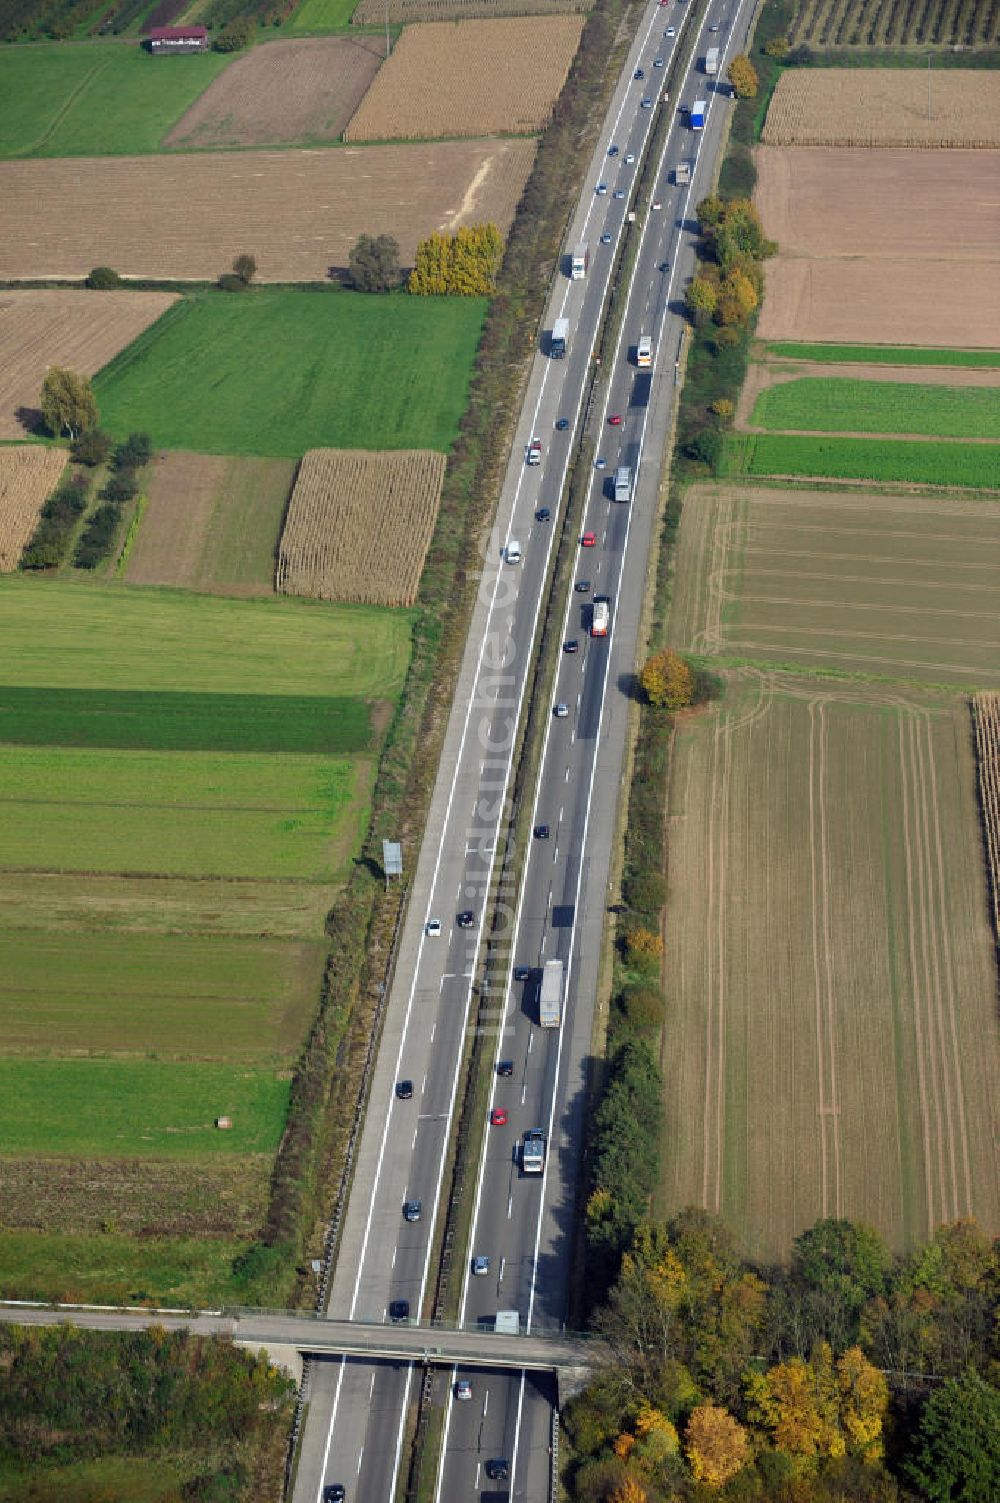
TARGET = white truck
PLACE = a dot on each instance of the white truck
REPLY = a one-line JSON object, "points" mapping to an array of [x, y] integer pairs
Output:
{"points": [[682, 173], [579, 262], [533, 1151], [550, 996], [696, 119], [623, 483], [600, 618], [712, 62], [559, 339], [507, 1323]]}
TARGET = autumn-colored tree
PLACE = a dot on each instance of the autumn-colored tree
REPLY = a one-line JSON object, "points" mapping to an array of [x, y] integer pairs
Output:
{"points": [[667, 680], [432, 268], [864, 1399], [722, 407], [777, 47], [717, 1445], [643, 946], [630, 1491], [465, 264], [796, 1404], [743, 76], [67, 403], [740, 287], [710, 211], [701, 298]]}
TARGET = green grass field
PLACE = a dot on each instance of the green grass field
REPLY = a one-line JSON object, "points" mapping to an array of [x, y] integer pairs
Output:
{"points": [[322, 15], [830, 405], [881, 354], [109, 1268], [184, 814], [95, 99], [291, 723], [141, 1479], [120, 1107], [278, 371], [60, 636], [893, 460], [177, 995], [60, 903]]}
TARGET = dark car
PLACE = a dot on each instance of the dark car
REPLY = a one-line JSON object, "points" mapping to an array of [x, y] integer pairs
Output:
{"points": [[542, 514], [612, 151], [571, 646], [498, 1470], [562, 424], [522, 972], [404, 1089], [638, 75], [412, 1210], [466, 918], [334, 1493], [399, 1309], [541, 832], [505, 1067], [582, 587]]}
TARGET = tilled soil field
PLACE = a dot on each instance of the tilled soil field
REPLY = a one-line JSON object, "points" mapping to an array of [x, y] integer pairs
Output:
{"points": [[882, 107], [81, 330], [870, 249], [359, 525], [28, 475], [187, 216], [284, 91], [469, 79]]}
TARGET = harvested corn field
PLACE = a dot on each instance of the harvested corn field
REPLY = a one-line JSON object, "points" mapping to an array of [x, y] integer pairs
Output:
{"points": [[80, 330], [359, 525], [874, 23], [183, 216], [28, 475], [373, 12], [283, 91], [883, 107], [986, 718], [471, 79]]}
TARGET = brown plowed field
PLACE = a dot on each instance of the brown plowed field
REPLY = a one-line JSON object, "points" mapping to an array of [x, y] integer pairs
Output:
{"points": [[212, 523], [881, 247], [187, 216], [28, 475], [882, 107], [284, 91], [81, 330], [470, 79], [359, 525]]}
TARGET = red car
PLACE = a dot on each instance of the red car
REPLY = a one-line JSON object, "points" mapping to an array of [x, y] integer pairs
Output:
{"points": [[589, 540], [615, 420], [498, 1116]]}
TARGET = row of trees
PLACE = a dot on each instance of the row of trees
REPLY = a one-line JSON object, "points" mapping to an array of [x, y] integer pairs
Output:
{"points": [[782, 1384], [465, 264], [729, 281]]}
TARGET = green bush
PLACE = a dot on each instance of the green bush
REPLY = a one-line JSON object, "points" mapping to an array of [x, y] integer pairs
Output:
{"points": [[48, 546], [98, 536], [237, 35], [102, 278], [121, 487], [230, 282], [92, 448], [136, 451]]}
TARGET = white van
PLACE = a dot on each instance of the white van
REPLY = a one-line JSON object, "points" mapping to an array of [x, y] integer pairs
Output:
{"points": [[512, 552], [623, 483]]}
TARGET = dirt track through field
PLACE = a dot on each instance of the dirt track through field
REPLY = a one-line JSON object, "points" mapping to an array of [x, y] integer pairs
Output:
{"points": [[300, 213]]}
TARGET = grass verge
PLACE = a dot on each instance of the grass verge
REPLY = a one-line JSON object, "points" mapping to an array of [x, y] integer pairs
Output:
{"points": [[880, 354]]}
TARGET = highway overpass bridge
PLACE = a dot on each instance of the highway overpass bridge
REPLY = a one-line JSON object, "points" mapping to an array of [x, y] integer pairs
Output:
{"points": [[315, 1336]]}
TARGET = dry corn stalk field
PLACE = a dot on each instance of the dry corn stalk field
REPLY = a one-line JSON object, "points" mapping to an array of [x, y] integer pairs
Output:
{"points": [[28, 475], [180, 216], [469, 78], [986, 718], [81, 330], [359, 525], [373, 12], [908, 23], [884, 107]]}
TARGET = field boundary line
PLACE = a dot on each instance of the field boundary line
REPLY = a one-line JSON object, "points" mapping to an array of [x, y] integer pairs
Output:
{"points": [[817, 982]]}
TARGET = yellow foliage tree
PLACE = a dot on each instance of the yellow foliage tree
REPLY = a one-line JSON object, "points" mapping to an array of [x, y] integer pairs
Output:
{"points": [[630, 1491], [797, 1403], [432, 270], [464, 264], [623, 1445], [717, 1445], [743, 76], [739, 286], [643, 945], [667, 680], [864, 1399]]}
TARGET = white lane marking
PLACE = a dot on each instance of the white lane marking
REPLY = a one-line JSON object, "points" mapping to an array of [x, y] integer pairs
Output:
{"points": [[524, 1092], [394, 1252], [433, 1030], [510, 1204], [423, 1085], [371, 1389], [560, 816], [486, 1403], [555, 855], [361, 1454], [414, 1143]]}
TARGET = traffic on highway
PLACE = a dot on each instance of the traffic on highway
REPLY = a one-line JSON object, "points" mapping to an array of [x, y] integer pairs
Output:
{"points": [[498, 1424]]}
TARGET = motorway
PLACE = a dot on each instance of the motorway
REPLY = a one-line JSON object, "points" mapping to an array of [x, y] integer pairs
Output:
{"points": [[355, 1425]]}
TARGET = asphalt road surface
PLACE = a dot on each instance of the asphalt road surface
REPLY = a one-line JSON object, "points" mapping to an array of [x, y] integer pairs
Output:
{"points": [[354, 1432]]}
